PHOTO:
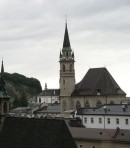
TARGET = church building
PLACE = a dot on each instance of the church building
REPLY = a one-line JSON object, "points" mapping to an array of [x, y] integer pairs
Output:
{"points": [[97, 87]]}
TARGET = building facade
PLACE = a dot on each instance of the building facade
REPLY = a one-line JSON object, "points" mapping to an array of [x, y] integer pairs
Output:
{"points": [[49, 96], [107, 117]]}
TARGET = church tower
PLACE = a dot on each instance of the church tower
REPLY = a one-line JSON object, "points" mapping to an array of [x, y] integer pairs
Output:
{"points": [[4, 97], [67, 72]]}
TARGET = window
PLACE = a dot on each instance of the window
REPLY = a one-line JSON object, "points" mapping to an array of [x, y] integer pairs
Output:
{"points": [[126, 121], [99, 103], [63, 68], [117, 120], [92, 120], [39, 100], [112, 102], [80, 146], [100, 120], [98, 91], [64, 105], [78, 105], [108, 120], [85, 120], [87, 104]]}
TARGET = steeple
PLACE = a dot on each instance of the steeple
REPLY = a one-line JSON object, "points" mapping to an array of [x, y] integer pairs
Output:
{"points": [[2, 83], [67, 72], [4, 97], [66, 42]]}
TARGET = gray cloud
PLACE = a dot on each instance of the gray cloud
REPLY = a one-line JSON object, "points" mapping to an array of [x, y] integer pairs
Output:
{"points": [[31, 36]]}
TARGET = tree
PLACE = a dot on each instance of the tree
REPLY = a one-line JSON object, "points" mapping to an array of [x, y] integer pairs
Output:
{"points": [[23, 100], [15, 102]]}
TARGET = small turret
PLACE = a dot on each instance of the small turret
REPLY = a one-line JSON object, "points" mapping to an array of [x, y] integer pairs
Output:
{"points": [[45, 86]]}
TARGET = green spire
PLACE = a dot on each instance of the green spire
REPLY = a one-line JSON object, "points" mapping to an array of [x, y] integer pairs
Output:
{"points": [[66, 42], [2, 70], [2, 82]]}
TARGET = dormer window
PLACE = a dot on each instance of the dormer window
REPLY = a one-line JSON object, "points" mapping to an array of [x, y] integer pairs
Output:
{"points": [[98, 91]]}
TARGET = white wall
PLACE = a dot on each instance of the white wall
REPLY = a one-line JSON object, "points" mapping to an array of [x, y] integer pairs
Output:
{"points": [[122, 123], [48, 99]]}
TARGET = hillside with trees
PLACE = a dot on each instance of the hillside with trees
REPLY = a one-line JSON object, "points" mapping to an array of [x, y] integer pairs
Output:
{"points": [[21, 88]]}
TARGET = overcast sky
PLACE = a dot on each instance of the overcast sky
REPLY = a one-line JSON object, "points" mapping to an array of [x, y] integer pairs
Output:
{"points": [[32, 31]]}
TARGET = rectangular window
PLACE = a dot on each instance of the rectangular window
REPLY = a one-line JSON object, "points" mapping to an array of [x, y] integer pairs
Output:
{"points": [[85, 120], [100, 120], [126, 121], [108, 120], [92, 120], [117, 120]]}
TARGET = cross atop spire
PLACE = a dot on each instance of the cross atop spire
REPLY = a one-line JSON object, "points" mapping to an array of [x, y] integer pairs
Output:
{"points": [[66, 42]]}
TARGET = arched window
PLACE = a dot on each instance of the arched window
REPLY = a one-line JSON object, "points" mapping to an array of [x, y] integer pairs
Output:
{"points": [[112, 102], [99, 104], [64, 106], [39, 100], [78, 105], [87, 105], [5, 107], [63, 68], [70, 67]]}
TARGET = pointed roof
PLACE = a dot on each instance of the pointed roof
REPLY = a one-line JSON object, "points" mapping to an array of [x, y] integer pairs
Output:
{"points": [[98, 79], [2, 70], [66, 42], [3, 93]]}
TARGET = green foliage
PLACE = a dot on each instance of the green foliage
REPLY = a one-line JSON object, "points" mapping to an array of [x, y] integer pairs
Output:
{"points": [[32, 85], [21, 88], [15, 102], [20, 102]]}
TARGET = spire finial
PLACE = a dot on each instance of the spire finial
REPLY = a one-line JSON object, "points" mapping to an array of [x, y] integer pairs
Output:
{"points": [[66, 18]]}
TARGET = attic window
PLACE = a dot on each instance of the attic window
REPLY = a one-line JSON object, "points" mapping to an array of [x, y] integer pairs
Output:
{"points": [[122, 134], [98, 91], [100, 133]]}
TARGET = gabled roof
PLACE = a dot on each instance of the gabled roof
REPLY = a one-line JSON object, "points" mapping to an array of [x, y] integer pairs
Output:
{"points": [[98, 80], [50, 92], [35, 133]]}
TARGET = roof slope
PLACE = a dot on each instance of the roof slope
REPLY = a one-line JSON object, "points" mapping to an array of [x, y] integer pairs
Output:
{"points": [[50, 92], [98, 79], [95, 134], [66, 42], [35, 133], [107, 110]]}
